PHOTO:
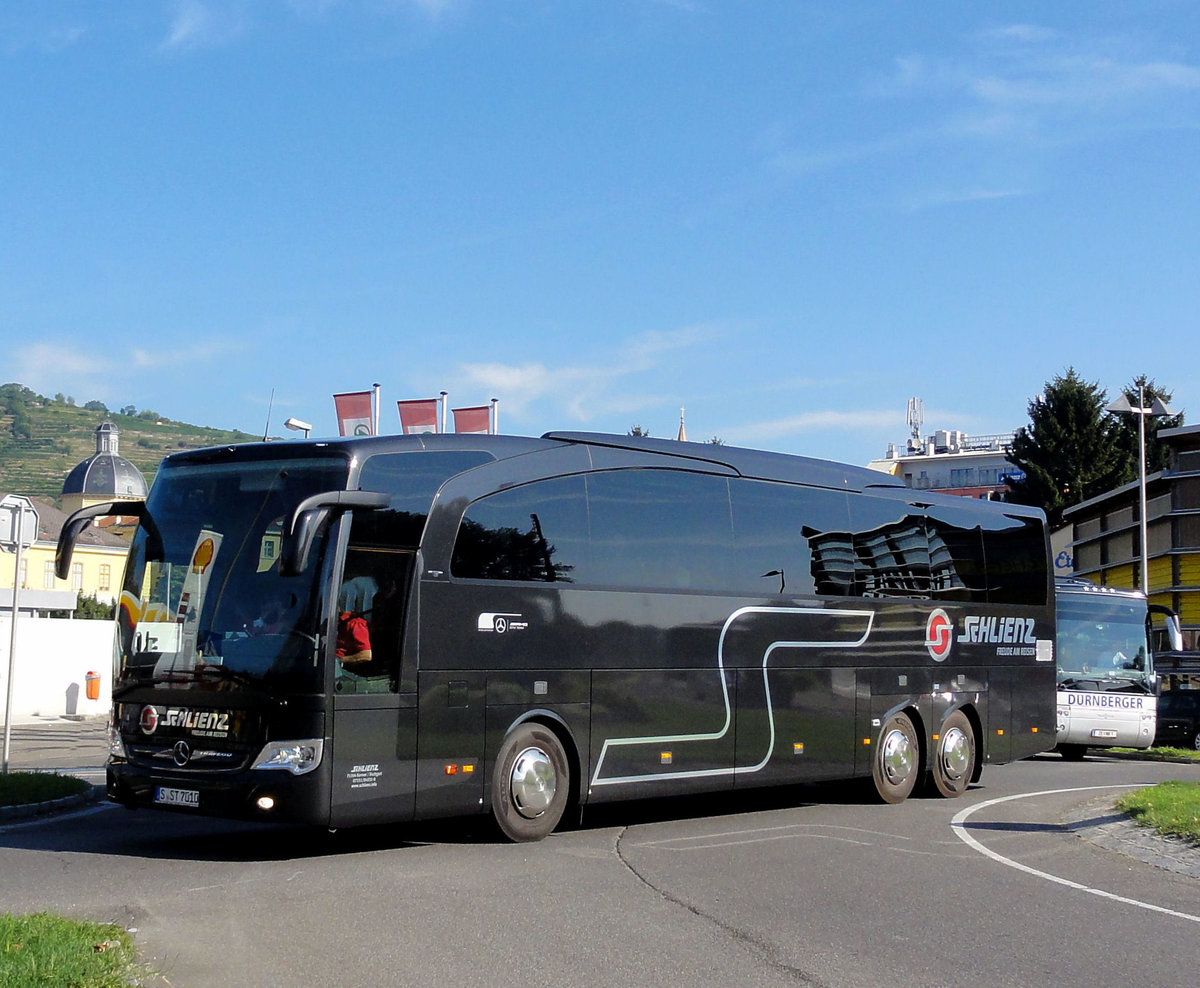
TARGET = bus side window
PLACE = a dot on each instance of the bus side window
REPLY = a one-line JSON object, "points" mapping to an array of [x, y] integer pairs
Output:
{"points": [[374, 589]]}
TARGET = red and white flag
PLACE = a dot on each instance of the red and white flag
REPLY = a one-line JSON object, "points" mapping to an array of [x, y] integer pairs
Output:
{"points": [[477, 420], [420, 415], [355, 413]]}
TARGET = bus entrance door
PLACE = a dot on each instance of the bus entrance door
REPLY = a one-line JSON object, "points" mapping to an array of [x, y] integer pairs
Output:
{"points": [[374, 701]]}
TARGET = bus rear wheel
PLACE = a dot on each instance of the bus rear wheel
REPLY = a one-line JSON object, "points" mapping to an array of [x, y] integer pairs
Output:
{"points": [[954, 760], [531, 783], [897, 759]]}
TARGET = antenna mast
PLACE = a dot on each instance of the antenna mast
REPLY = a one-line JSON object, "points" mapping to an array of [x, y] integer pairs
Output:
{"points": [[916, 418]]}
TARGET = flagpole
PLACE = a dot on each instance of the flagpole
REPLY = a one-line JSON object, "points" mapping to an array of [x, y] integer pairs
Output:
{"points": [[495, 416], [375, 411], [445, 404]]}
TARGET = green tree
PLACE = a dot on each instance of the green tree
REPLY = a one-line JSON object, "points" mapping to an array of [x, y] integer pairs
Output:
{"points": [[88, 608], [637, 430], [1072, 449]]}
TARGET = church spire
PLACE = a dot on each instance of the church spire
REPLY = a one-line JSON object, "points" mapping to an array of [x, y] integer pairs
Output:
{"points": [[682, 437]]}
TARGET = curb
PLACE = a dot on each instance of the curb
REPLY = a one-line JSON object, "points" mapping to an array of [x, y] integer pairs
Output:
{"points": [[27, 811], [1099, 822]]}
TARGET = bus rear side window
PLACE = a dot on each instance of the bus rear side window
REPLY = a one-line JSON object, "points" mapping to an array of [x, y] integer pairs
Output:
{"points": [[1014, 549]]}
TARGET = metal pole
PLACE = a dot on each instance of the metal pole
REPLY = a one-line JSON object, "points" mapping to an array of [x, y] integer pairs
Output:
{"points": [[1141, 414], [12, 639]]}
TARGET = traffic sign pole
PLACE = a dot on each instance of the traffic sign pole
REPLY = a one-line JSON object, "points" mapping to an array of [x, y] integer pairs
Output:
{"points": [[24, 518]]}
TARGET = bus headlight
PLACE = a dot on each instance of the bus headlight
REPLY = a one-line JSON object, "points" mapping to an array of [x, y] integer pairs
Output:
{"points": [[297, 757], [116, 747]]}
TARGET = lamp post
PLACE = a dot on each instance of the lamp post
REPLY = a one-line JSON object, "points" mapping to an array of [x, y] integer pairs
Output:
{"points": [[1122, 407], [296, 425]]}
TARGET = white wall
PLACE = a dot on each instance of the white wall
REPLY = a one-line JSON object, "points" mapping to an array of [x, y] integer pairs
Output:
{"points": [[53, 658]]}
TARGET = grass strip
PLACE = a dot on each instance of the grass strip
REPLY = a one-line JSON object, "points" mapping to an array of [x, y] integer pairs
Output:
{"points": [[51, 951], [19, 788], [1170, 808], [1163, 754]]}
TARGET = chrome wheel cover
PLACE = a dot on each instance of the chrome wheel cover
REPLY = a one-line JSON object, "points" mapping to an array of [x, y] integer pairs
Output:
{"points": [[533, 782], [897, 756], [955, 753]]}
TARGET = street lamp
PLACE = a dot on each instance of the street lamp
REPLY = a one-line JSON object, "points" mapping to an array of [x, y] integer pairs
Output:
{"points": [[1122, 407], [296, 425]]}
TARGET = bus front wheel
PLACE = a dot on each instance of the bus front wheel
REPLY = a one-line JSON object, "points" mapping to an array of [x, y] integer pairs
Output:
{"points": [[897, 759], [531, 784], [954, 761]]}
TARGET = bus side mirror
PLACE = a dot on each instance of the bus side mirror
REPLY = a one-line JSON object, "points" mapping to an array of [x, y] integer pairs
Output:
{"points": [[311, 516], [81, 521], [1174, 632]]}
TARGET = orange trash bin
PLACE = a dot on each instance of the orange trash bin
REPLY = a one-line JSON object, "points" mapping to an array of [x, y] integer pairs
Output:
{"points": [[92, 685]]}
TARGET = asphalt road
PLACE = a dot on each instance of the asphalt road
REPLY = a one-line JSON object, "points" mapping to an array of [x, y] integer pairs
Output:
{"points": [[812, 886]]}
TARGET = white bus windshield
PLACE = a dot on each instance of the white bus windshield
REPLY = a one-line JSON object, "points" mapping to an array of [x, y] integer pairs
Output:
{"points": [[1102, 643], [203, 603]]}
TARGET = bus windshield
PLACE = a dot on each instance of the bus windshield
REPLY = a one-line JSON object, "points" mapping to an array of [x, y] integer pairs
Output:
{"points": [[203, 604], [1102, 644]]}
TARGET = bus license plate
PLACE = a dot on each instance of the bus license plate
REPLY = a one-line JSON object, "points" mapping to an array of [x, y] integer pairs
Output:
{"points": [[1104, 734], [176, 797]]}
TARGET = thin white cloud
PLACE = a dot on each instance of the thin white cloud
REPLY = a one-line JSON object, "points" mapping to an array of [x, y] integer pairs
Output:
{"points": [[43, 362], [197, 24], [952, 197], [172, 356], [983, 117], [584, 391], [1024, 33], [760, 433]]}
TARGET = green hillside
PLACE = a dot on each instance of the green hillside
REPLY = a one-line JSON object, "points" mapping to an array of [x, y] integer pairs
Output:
{"points": [[42, 439]]}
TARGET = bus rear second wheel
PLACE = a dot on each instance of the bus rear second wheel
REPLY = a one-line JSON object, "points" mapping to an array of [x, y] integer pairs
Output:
{"points": [[531, 784], [954, 759]]}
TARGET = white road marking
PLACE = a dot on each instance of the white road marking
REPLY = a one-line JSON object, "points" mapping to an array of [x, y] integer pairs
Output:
{"points": [[958, 824]]}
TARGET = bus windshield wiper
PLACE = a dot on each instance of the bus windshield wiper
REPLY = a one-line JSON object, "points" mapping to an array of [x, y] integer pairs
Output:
{"points": [[1070, 681], [203, 669]]}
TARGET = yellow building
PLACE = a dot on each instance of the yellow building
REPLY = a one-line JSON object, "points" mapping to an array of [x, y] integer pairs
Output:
{"points": [[99, 557], [1106, 545], [96, 566]]}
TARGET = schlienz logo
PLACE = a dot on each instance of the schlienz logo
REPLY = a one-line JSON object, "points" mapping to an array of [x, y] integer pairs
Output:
{"points": [[998, 630], [939, 635]]}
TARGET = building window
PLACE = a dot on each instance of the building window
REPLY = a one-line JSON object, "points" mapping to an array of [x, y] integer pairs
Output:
{"points": [[77, 576], [48, 575], [105, 576]]}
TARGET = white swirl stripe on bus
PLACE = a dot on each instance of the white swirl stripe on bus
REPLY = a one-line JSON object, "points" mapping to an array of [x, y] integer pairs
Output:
{"points": [[675, 739]]}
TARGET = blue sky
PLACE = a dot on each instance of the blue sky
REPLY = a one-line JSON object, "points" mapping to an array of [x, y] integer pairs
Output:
{"points": [[788, 217]]}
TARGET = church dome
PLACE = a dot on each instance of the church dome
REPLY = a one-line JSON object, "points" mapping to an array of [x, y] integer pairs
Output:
{"points": [[105, 475]]}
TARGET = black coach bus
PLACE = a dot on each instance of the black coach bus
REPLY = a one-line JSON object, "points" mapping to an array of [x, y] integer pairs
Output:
{"points": [[397, 628]]}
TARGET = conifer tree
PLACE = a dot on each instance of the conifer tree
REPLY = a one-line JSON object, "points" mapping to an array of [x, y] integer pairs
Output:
{"points": [[1072, 449]]}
